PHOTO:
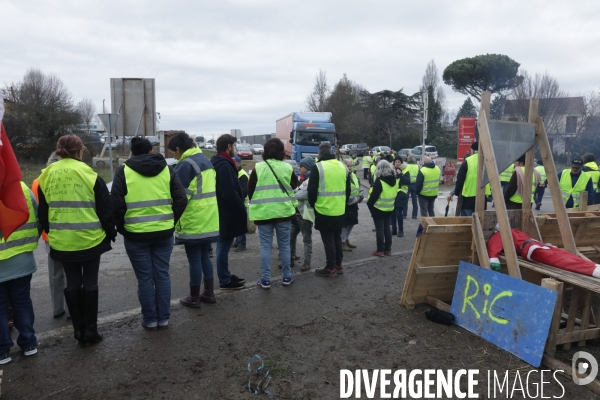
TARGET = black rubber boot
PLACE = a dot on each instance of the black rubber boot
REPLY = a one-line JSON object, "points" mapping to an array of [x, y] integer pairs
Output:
{"points": [[193, 300], [75, 305], [90, 317]]}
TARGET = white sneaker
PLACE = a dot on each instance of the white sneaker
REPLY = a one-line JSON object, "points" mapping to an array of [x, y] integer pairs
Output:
{"points": [[30, 351]]}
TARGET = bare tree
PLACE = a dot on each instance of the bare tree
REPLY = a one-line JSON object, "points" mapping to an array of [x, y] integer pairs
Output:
{"points": [[87, 112], [317, 99], [357, 126]]}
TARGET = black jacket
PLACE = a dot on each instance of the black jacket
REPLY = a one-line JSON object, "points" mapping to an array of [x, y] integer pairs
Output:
{"points": [[376, 193], [104, 210], [323, 222], [401, 197], [232, 212], [148, 165]]}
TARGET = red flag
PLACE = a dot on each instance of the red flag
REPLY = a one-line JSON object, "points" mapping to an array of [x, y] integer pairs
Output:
{"points": [[13, 206]]}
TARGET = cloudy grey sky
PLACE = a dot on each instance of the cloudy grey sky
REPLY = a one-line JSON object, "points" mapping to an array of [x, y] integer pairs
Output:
{"points": [[245, 63]]}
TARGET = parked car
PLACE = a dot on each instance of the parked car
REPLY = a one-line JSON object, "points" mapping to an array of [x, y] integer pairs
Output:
{"points": [[345, 149], [244, 151], [430, 151], [359, 149], [257, 148], [381, 149], [209, 146]]}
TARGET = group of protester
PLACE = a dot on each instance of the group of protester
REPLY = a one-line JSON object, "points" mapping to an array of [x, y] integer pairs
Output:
{"points": [[582, 176]]}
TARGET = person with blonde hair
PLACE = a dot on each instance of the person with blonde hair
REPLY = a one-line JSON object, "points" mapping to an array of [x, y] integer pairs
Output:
{"points": [[77, 213]]}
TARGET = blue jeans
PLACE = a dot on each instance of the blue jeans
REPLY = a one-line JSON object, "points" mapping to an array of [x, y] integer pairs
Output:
{"points": [[199, 263], [539, 194], [150, 261], [412, 194], [16, 292], [223, 247], [241, 240], [465, 212], [397, 216], [282, 231]]}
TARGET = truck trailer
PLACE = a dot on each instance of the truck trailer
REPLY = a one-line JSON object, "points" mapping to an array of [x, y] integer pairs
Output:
{"points": [[303, 132]]}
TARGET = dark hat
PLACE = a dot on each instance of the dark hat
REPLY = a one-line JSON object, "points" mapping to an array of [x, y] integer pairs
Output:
{"points": [[475, 146], [577, 163], [237, 159], [539, 162], [307, 162]]}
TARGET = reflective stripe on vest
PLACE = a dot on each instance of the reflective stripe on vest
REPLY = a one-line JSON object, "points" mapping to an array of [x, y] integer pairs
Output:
{"points": [[542, 171], [148, 201], [200, 220], [269, 200], [24, 238], [68, 186], [567, 190], [507, 173], [517, 198], [431, 181], [470, 184], [386, 199], [331, 199], [241, 173], [413, 170], [594, 173], [367, 162], [354, 185], [403, 188]]}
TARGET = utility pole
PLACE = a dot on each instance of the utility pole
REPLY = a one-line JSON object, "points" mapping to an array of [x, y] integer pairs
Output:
{"points": [[425, 114]]}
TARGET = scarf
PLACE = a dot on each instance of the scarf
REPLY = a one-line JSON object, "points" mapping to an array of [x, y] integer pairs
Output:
{"points": [[227, 156], [521, 177]]}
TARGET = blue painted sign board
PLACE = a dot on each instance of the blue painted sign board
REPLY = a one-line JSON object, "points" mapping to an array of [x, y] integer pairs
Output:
{"points": [[512, 314]]}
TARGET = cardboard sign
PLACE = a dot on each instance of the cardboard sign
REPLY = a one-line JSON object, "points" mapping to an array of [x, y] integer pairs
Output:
{"points": [[513, 314]]}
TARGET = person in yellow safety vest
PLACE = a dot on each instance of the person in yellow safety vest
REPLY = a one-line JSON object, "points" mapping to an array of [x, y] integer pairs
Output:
{"points": [[272, 208], [199, 225], [466, 183], [149, 200], [541, 188], [381, 205], [17, 265], [355, 163], [351, 215], [428, 182], [372, 170], [56, 273], [77, 213], [590, 166], [328, 193], [240, 242], [574, 181], [366, 163], [412, 169], [505, 176], [513, 195], [402, 182]]}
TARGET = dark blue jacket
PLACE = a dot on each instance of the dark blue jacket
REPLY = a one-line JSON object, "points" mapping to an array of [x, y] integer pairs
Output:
{"points": [[232, 211], [589, 188]]}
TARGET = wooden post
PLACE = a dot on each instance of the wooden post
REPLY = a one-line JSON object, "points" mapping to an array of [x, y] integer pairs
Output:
{"points": [[485, 143], [480, 199], [529, 156], [553, 185], [557, 286], [479, 241]]}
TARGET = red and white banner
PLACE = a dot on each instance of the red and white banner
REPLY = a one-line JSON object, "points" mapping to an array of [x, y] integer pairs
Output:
{"points": [[466, 136]]}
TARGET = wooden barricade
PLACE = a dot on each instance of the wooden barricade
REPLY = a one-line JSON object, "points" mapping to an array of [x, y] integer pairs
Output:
{"points": [[433, 268]]}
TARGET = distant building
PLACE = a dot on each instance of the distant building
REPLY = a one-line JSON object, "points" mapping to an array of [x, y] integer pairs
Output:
{"points": [[562, 118]]}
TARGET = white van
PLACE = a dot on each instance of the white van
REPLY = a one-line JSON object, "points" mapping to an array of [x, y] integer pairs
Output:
{"points": [[430, 151]]}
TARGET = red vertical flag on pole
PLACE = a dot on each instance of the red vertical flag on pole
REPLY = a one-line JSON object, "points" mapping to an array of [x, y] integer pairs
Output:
{"points": [[13, 206]]}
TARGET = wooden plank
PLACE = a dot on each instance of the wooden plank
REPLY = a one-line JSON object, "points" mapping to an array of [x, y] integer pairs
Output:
{"points": [[572, 314], [529, 225], [552, 176], [485, 142], [567, 371], [578, 336], [478, 239], [480, 194], [434, 229], [440, 305], [527, 179], [557, 286], [438, 269], [411, 276], [585, 316], [570, 278]]}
